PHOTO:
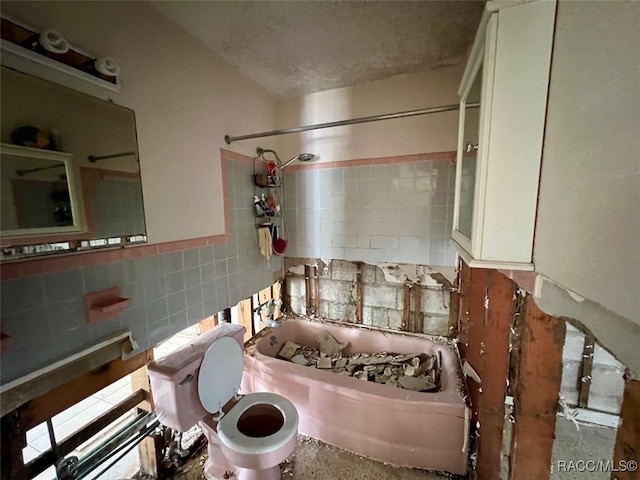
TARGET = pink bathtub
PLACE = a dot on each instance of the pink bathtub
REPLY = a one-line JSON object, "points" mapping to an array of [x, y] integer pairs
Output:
{"points": [[393, 425]]}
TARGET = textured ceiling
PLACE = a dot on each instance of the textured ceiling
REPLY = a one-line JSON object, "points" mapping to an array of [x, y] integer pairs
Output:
{"points": [[298, 47]]}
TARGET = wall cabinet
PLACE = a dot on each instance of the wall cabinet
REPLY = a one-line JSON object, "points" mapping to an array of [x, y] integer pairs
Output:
{"points": [[500, 143]]}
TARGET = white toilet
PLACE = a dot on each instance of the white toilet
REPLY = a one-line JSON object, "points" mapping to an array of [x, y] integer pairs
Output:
{"points": [[248, 435]]}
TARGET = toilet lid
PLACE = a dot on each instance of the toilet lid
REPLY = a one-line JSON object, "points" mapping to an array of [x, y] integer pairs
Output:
{"points": [[220, 374]]}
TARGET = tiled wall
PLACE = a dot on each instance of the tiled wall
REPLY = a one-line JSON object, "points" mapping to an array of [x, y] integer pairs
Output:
{"points": [[116, 204], [389, 210], [44, 314]]}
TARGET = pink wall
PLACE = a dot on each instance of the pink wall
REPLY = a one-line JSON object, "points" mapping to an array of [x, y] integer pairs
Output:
{"points": [[185, 97]]}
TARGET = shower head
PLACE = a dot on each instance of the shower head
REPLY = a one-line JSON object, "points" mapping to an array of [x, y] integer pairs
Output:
{"points": [[303, 157], [306, 157]]}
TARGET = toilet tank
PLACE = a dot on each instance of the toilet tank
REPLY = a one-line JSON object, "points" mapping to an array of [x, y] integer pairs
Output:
{"points": [[174, 379]]}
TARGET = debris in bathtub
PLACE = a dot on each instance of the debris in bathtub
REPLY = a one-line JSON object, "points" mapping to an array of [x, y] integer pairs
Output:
{"points": [[362, 375], [416, 371], [328, 344], [300, 360], [289, 350]]}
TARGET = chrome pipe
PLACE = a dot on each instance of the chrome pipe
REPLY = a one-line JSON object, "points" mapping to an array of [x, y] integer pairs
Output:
{"points": [[373, 118]]}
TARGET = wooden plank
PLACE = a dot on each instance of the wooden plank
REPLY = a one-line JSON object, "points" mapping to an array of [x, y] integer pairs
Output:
{"points": [[536, 393], [495, 370], [586, 367], [276, 291], [359, 298], [14, 397], [245, 317], [264, 295], [464, 274], [307, 290], [406, 306], [316, 291], [13, 440], [146, 449], [627, 449], [48, 458], [46, 406], [208, 323], [417, 308], [477, 331]]}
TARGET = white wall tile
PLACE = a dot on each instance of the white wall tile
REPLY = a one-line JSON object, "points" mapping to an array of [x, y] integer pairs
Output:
{"points": [[392, 212]]}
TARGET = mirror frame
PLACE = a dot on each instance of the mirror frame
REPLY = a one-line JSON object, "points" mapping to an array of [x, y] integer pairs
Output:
{"points": [[77, 212]]}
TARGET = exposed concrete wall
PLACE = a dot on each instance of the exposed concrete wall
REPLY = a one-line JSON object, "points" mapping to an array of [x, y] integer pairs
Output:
{"points": [[382, 293], [607, 383]]}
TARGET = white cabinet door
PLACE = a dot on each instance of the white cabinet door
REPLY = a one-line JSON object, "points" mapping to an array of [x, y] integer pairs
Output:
{"points": [[497, 185]]}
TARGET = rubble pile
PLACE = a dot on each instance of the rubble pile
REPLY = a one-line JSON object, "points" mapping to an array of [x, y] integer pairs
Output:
{"points": [[419, 372]]}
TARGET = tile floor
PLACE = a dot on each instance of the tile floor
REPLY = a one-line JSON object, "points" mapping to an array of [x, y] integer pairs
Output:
{"points": [[70, 420]]}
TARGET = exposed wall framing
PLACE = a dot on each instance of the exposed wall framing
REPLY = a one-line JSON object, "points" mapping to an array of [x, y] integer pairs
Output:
{"points": [[44, 406], [503, 335], [370, 294]]}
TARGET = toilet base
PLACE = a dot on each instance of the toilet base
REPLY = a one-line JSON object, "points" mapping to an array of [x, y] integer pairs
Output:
{"points": [[272, 473]]}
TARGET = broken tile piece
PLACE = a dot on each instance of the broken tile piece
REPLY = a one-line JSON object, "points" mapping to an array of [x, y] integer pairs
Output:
{"points": [[341, 362], [288, 350], [324, 362], [300, 360], [361, 375], [329, 345], [410, 371], [417, 384]]}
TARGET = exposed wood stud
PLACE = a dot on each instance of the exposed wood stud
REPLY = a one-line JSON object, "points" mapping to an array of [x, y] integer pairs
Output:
{"points": [[586, 367], [464, 272], [536, 394], [276, 290], [359, 299], [14, 439], [476, 333], [417, 305], [208, 323], [406, 307], [627, 448], [454, 305], [316, 291], [307, 289], [495, 369], [245, 317]]}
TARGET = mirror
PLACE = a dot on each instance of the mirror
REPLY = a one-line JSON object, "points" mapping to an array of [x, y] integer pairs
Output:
{"points": [[70, 177]]}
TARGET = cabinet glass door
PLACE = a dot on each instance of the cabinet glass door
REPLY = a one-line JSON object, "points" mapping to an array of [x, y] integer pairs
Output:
{"points": [[469, 159]]}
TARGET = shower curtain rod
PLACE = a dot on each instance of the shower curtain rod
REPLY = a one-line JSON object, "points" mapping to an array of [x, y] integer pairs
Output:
{"points": [[373, 118]]}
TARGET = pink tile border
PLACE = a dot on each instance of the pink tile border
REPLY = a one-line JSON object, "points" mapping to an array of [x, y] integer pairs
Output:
{"points": [[57, 263], [43, 265]]}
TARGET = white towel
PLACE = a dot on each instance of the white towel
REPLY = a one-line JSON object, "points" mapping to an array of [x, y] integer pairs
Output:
{"points": [[266, 242]]}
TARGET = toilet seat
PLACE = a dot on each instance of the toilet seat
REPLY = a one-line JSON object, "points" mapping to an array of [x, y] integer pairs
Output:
{"points": [[220, 374], [232, 438]]}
